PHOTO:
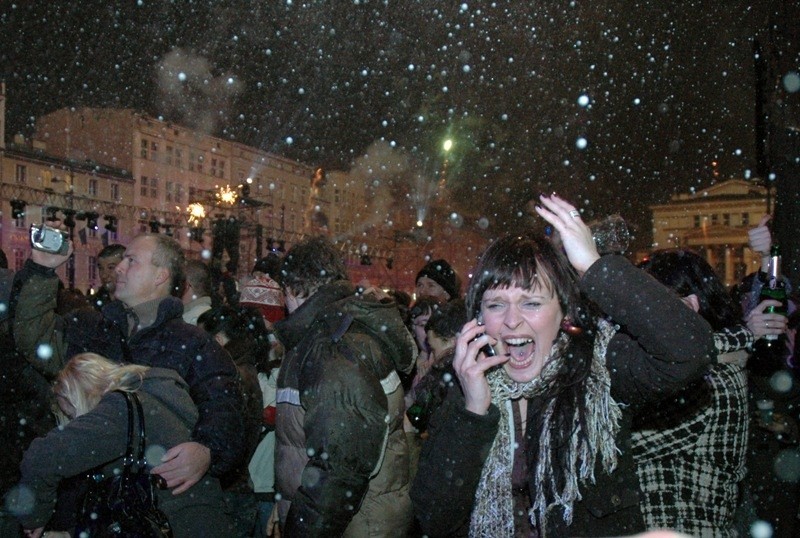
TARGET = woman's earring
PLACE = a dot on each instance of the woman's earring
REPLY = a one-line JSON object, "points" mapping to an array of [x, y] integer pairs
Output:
{"points": [[569, 328]]}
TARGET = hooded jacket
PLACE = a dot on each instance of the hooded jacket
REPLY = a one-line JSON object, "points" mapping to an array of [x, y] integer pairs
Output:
{"points": [[341, 457]]}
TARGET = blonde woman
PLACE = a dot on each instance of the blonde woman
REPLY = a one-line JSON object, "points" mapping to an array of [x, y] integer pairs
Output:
{"points": [[94, 433]]}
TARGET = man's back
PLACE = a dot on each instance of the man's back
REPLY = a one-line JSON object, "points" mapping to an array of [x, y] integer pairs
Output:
{"points": [[339, 422]]}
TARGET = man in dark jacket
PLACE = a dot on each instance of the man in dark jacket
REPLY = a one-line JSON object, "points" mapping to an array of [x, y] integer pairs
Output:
{"points": [[142, 326], [341, 459]]}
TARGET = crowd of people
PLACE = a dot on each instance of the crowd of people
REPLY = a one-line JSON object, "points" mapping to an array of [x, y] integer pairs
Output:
{"points": [[561, 392]]}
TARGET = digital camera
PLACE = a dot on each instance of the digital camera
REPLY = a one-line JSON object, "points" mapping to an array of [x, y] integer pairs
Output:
{"points": [[48, 239]]}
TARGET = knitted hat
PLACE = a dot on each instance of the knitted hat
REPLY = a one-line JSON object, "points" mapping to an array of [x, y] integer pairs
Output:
{"points": [[440, 272]]}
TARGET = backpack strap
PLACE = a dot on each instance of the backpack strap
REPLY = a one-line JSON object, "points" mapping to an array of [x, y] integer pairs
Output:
{"points": [[337, 335]]}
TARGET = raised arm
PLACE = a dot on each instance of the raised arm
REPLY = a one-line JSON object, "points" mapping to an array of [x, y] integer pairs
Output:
{"points": [[662, 345], [38, 330]]}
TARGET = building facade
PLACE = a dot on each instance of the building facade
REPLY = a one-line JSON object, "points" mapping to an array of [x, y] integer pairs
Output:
{"points": [[714, 222], [134, 173], [275, 201], [92, 199], [131, 173]]}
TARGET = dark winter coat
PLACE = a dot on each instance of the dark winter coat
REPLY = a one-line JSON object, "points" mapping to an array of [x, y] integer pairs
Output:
{"points": [[341, 457], [431, 391], [168, 343], [662, 346], [243, 352], [100, 437]]}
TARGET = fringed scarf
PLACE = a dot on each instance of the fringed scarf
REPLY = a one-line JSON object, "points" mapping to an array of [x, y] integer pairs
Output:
{"points": [[492, 514]]}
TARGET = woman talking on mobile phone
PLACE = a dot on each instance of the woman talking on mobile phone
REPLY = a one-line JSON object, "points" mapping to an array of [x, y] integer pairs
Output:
{"points": [[537, 441]]}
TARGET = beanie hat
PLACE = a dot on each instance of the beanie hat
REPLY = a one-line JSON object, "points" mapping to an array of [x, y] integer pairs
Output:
{"points": [[440, 272]]}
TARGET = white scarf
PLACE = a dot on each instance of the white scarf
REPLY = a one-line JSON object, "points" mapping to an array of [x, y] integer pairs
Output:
{"points": [[492, 513]]}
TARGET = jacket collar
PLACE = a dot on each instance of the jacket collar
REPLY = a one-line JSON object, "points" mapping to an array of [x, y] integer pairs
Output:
{"points": [[325, 310], [168, 308], [292, 329]]}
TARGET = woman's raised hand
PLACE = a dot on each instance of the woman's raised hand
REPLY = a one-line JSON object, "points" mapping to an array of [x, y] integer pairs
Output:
{"points": [[575, 235], [471, 366]]}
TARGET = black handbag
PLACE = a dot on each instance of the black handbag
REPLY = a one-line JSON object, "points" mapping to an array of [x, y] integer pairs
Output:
{"points": [[125, 504]]}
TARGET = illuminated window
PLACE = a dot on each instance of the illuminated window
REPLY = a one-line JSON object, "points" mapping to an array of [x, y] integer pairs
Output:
{"points": [[21, 174]]}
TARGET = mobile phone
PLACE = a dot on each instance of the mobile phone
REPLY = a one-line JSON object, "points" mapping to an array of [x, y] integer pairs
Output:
{"points": [[487, 350], [48, 239]]}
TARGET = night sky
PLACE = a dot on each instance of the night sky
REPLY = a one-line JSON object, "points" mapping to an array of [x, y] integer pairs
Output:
{"points": [[656, 90]]}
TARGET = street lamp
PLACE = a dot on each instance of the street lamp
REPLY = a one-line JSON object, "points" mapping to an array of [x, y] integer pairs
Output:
{"points": [[447, 145]]}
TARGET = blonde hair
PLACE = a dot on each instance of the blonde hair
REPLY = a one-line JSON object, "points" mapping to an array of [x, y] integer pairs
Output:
{"points": [[89, 376]]}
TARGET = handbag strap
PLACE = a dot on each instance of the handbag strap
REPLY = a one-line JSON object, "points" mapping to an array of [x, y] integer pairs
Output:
{"points": [[129, 461], [140, 413]]}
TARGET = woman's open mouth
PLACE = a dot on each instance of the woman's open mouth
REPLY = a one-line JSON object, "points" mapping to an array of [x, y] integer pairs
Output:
{"points": [[521, 352]]}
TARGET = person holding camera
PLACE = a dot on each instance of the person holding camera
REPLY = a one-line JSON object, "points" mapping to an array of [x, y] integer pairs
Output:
{"points": [[143, 326]]}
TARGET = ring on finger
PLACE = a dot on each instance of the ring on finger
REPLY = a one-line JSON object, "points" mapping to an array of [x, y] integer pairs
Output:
{"points": [[575, 214]]}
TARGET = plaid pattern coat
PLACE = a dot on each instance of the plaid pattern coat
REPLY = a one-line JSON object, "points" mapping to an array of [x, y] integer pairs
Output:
{"points": [[691, 459]]}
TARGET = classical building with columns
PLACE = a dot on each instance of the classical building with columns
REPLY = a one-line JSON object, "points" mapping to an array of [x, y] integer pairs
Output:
{"points": [[714, 222]]}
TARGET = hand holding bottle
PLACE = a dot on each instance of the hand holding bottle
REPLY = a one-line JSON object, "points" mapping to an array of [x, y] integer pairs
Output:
{"points": [[774, 288], [763, 323]]}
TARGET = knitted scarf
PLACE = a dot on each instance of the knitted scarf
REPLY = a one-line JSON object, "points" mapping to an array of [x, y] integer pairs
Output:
{"points": [[492, 514]]}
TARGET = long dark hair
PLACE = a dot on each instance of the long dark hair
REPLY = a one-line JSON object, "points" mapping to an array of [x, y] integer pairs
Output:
{"points": [[529, 261], [686, 273]]}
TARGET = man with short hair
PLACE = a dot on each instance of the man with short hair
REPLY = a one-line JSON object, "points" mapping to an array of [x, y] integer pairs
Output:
{"points": [[341, 458], [196, 295], [144, 327], [107, 261]]}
